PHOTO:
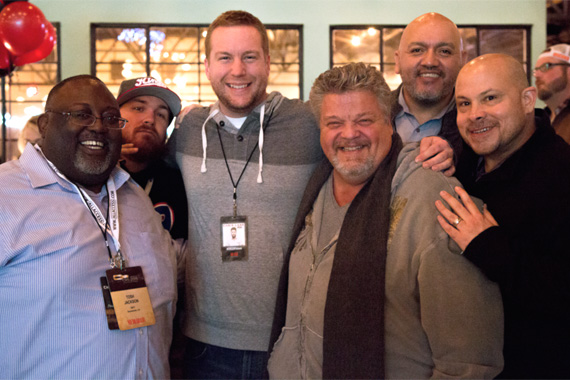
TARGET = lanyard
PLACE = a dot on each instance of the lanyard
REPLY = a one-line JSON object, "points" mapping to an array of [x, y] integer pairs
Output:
{"points": [[102, 222], [259, 143], [235, 184]]}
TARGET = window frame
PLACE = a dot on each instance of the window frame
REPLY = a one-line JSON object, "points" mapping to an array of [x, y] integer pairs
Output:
{"points": [[147, 63], [478, 27]]}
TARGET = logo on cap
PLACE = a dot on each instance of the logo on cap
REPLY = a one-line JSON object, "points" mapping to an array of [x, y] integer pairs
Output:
{"points": [[141, 82]]}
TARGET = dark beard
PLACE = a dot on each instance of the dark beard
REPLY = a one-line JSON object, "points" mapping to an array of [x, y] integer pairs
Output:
{"points": [[147, 154]]}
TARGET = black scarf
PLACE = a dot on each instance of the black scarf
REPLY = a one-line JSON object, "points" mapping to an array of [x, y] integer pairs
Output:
{"points": [[353, 344]]}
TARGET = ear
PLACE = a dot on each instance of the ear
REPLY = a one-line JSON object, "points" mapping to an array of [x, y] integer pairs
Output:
{"points": [[528, 98], [397, 60], [42, 124], [207, 68]]}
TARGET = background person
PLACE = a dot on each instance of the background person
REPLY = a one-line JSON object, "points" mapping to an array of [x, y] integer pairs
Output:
{"points": [[551, 73]]}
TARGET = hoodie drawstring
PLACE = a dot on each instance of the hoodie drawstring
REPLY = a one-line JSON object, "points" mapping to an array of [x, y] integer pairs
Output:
{"points": [[260, 141], [205, 140]]}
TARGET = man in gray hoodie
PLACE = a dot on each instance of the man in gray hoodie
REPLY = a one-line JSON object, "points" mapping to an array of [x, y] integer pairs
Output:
{"points": [[245, 162]]}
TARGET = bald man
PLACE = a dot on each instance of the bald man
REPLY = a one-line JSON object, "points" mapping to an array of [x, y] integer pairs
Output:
{"points": [[428, 59], [521, 169]]}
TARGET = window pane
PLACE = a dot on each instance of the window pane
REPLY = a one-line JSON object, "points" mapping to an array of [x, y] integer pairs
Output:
{"points": [[285, 79], [391, 42], [469, 37], [283, 45], [174, 45], [392, 79], [26, 89], [356, 45], [507, 41], [120, 45], [177, 56]]}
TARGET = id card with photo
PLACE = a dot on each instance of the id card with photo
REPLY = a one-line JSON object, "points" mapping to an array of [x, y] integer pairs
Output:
{"points": [[130, 298], [233, 230]]}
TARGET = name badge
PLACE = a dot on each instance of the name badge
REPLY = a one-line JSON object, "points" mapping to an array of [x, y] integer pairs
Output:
{"points": [[233, 230], [129, 299]]}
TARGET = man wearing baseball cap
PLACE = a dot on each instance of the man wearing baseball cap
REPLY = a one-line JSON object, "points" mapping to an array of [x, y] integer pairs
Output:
{"points": [[149, 106], [551, 73]]}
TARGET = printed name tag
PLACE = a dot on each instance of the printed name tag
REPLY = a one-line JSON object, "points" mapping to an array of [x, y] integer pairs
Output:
{"points": [[233, 234], [130, 298]]}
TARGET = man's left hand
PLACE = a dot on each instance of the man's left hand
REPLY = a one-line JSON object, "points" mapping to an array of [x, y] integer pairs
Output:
{"points": [[465, 221], [437, 155]]}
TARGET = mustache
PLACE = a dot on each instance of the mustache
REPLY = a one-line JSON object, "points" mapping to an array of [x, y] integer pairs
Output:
{"points": [[146, 129], [342, 142]]}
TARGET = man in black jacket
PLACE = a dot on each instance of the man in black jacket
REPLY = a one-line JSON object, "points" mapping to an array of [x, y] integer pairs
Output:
{"points": [[521, 169], [428, 59]]}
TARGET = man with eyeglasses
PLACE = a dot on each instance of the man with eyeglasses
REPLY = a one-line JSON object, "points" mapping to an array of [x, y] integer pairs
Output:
{"points": [[87, 273], [551, 73]]}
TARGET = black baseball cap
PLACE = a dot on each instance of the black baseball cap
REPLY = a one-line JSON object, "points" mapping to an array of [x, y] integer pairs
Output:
{"points": [[151, 87]]}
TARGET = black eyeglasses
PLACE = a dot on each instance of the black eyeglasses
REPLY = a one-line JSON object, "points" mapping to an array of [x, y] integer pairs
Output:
{"points": [[547, 66], [86, 120]]}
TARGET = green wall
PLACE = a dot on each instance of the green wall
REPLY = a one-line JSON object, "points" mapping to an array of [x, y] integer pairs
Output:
{"points": [[75, 17]]}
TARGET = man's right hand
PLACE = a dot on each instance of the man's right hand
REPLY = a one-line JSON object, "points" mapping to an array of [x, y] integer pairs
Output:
{"points": [[436, 154]]}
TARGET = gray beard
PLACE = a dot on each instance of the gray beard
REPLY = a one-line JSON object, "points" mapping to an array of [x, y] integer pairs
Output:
{"points": [[358, 174], [90, 167]]}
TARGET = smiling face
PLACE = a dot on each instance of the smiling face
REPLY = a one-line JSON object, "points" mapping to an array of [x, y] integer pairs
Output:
{"points": [[428, 59], [85, 155], [495, 110], [148, 118], [238, 69], [356, 135]]}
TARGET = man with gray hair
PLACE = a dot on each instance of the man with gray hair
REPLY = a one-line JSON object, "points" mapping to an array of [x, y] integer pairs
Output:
{"points": [[371, 286]]}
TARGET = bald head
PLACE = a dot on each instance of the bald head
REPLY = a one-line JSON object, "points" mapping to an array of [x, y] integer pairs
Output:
{"points": [[495, 107], [502, 65], [430, 21], [428, 59]]}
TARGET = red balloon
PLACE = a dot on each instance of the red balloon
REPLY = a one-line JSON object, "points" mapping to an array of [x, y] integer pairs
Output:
{"points": [[23, 27], [42, 51], [5, 58]]}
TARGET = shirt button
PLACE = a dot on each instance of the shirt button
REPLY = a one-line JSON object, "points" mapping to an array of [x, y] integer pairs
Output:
{"points": [[240, 138], [222, 123], [140, 372], [141, 332]]}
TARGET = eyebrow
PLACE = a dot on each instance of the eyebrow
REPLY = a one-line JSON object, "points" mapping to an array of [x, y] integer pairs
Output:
{"points": [[438, 45], [145, 102]]}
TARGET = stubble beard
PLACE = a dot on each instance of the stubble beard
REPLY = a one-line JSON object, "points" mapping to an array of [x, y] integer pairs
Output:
{"points": [[92, 167], [558, 85], [354, 171]]}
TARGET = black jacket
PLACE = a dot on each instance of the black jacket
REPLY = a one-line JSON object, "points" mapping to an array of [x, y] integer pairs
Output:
{"points": [[528, 255]]}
